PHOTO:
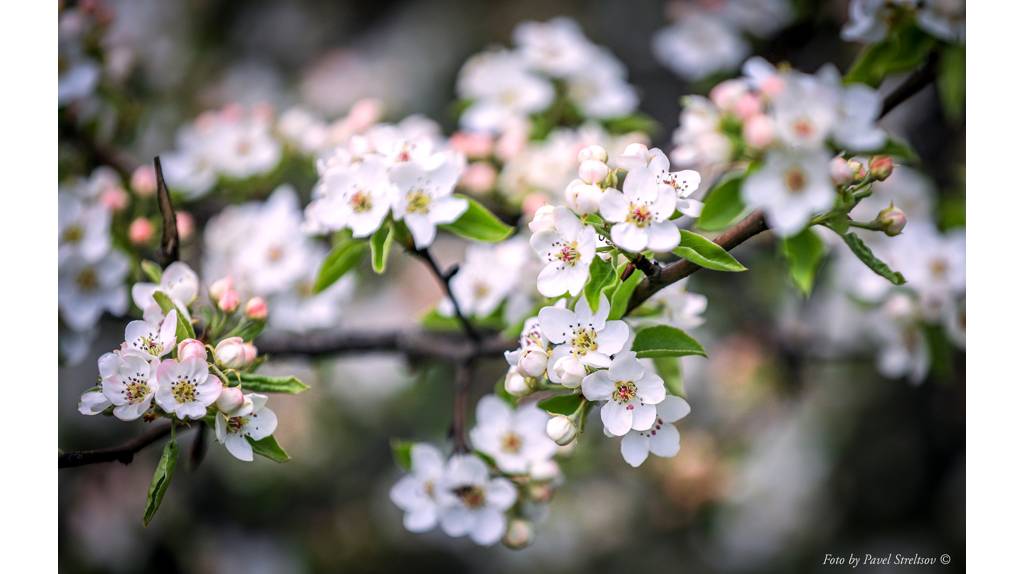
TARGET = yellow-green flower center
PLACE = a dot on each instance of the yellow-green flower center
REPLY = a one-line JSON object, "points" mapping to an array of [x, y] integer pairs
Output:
{"points": [[418, 200], [184, 390], [639, 215], [361, 201], [625, 391]]}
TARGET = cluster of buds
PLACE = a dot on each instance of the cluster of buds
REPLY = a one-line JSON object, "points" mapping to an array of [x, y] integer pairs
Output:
{"points": [[529, 363], [583, 194], [228, 300]]}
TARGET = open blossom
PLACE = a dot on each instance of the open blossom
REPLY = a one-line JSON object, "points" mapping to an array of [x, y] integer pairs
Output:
{"points": [[682, 183], [557, 47], [128, 382], [356, 196], [903, 348], [791, 187], [502, 88], [186, 387], [416, 493], [487, 277], [179, 282], [424, 195], [472, 503], [662, 439], [515, 439], [567, 249], [255, 422], [699, 45], [153, 338], [583, 339], [83, 229], [86, 289], [641, 213], [807, 109], [684, 308], [630, 391]]}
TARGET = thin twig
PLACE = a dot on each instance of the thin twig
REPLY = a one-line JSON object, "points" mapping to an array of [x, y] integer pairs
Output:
{"points": [[445, 279], [169, 240], [463, 378], [123, 454], [914, 83]]}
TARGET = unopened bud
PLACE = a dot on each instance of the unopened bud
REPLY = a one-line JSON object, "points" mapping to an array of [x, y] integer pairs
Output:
{"points": [[532, 363], [543, 219], [114, 198], [892, 220], [256, 308], [140, 231], [219, 287], [592, 152], [516, 384], [228, 301], [582, 197], [758, 131], [635, 150], [881, 167], [840, 171], [519, 534], [143, 181], [858, 170], [561, 429], [568, 371], [235, 353], [232, 401], [185, 223], [593, 171], [191, 348]]}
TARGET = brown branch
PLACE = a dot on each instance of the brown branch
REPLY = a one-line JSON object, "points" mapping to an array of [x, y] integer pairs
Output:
{"points": [[914, 83], [169, 240], [445, 279], [414, 344], [463, 378], [123, 454]]}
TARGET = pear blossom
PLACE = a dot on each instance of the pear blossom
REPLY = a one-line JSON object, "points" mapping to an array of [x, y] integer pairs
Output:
{"points": [[83, 229], [699, 45], [255, 422], [472, 503], [935, 266], [791, 187], [903, 349], [684, 308], [487, 277], [583, 339], [129, 382], [856, 127], [567, 250], [601, 90], [662, 439], [186, 388], [515, 439], [234, 353], [502, 88], [93, 403], [357, 197], [179, 282], [808, 108], [641, 213], [424, 195], [682, 183], [630, 391], [416, 493], [153, 338], [86, 289], [557, 47], [531, 358]]}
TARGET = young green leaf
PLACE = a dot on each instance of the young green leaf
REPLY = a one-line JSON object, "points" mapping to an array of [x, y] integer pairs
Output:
{"points": [[345, 255], [803, 252], [665, 341], [952, 80], [623, 291], [905, 48], [380, 246], [864, 253], [152, 271], [267, 384], [268, 447], [723, 204], [401, 450], [669, 369], [161, 479], [562, 404], [602, 273], [184, 329], [478, 223], [706, 253]]}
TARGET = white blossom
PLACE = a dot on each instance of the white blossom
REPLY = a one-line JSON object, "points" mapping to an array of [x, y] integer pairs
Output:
{"points": [[699, 45], [567, 251], [83, 229], [630, 393], [179, 282], [641, 213], [86, 289], [582, 338], [186, 388], [357, 197], [423, 198], [128, 382], [416, 493], [153, 337], [662, 439], [472, 503], [515, 439], [791, 187], [255, 421], [502, 88]]}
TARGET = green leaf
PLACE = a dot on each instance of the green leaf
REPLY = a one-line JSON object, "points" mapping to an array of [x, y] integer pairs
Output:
{"points": [[478, 223], [723, 204], [267, 384], [152, 271], [345, 255], [401, 450], [952, 80], [803, 252], [562, 404], [665, 341], [636, 122], [623, 291], [184, 329], [161, 479], [669, 369], [706, 253], [905, 48], [268, 447], [863, 252], [380, 246], [602, 273]]}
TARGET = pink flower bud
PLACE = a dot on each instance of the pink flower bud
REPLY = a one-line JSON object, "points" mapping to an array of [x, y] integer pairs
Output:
{"points": [[759, 131], [140, 231], [479, 177], [256, 308], [636, 150], [186, 224], [191, 348], [234, 353], [840, 171], [512, 141], [114, 198], [881, 167], [364, 113], [858, 170], [582, 197], [772, 85], [726, 94], [892, 220], [143, 181], [594, 152], [747, 106], [472, 144], [593, 171], [533, 203], [231, 401], [228, 301], [519, 534], [220, 287]]}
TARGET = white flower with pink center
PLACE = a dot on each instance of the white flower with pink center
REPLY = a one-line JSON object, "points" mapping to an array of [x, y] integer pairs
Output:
{"points": [[630, 393], [641, 213], [662, 439], [153, 338], [129, 382], [253, 421], [583, 338], [186, 388], [567, 249], [424, 197]]}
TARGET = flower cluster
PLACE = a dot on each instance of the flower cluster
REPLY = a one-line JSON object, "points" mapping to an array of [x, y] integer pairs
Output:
{"points": [[402, 170], [551, 62], [872, 20], [708, 37], [162, 370]]}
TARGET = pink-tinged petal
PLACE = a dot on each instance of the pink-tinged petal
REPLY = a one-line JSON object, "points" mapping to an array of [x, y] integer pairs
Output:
{"points": [[673, 408], [208, 390], [614, 206], [238, 447], [665, 441], [629, 237], [501, 494], [167, 332], [650, 389], [662, 237], [643, 416], [617, 418], [612, 338], [634, 448], [554, 323], [489, 526], [597, 386]]}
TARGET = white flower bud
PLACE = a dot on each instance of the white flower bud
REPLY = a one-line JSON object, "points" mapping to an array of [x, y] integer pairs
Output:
{"points": [[519, 534], [569, 371], [532, 363], [543, 219], [892, 220], [233, 403], [234, 353], [635, 150], [219, 287], [583, 198], [545, 470], [840, 171], [593, 171], [516, 384], [594, 152], [561, 429]]}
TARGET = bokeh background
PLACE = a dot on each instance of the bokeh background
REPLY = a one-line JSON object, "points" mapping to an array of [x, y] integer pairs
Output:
{"points": [[796, 446]]}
